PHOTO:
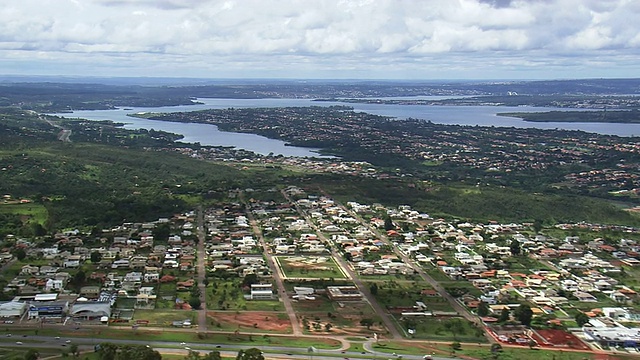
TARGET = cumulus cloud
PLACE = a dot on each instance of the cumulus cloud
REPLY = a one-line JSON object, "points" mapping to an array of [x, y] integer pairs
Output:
{"points": [[328, 34]]}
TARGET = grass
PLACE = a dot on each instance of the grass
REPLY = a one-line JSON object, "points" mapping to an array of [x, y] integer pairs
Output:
{"points": [[451, 329], [191, 337], [227, 295], [34, 212], [324, 270], [164, 318]]}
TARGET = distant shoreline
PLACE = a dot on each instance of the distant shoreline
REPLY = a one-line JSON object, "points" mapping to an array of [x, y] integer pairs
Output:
{"points": [[619, 116]]}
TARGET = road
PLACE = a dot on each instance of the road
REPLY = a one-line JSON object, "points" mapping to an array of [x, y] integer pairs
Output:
{"points": [[277, 275], [177, 348], [348, 271], [201, 269]]}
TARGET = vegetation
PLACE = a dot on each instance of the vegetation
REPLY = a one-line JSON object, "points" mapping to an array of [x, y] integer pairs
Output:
{"points": [[630, 116]]}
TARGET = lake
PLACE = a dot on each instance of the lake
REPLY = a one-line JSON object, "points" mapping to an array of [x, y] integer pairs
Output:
{"points": [[454, 115]]}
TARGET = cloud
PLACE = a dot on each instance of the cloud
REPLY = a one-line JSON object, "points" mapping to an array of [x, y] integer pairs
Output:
{"points": [[327, 34]]}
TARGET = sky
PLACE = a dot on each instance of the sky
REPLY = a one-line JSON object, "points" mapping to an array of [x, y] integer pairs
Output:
{"points": [[322, 39]]}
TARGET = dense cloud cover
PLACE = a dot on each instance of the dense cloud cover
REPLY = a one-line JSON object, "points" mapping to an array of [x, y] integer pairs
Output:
{"points": [[322, 38]]}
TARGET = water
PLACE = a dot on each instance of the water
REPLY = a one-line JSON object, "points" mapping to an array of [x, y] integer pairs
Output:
{"points": [[454, 115]]}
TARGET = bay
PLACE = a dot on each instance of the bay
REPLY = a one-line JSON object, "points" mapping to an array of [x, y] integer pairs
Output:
{"points": [[207, 134]]}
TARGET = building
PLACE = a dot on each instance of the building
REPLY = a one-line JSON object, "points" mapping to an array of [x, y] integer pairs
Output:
{"points": [[261, 292], [12, 309], [344, 293], [90, 310], [48, 309]]}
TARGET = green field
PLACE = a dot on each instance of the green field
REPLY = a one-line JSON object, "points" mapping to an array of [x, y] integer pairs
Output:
{"points": [[164, 318], [310, 267]]}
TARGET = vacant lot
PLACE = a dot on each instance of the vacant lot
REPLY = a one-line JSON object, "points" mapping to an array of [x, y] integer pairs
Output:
{"points": [[269, 322], [310, 267]]}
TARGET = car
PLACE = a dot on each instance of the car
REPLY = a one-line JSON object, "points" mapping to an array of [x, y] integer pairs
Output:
{"points": [[183, 343], [63, 344], [24, 335], [218, 346], [18, 342], [8, 335], [187, 348], [57, 337], [68, 341]]}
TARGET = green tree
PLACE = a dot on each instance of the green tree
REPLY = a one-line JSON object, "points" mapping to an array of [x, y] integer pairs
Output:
{"points": [[504, 316], [107, 351], [96, 257], [483, 309], [388, 223], [192, 355], [581, 318], [250, 354], [74, 350], [249, 279], [195, 302], [367, 322], [515, 248], [524, 314], [19, 253], [373, 289], [213, 355], [32, 354]]}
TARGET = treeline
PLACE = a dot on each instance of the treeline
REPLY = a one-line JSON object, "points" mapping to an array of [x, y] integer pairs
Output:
{"points": [[475, 203]]}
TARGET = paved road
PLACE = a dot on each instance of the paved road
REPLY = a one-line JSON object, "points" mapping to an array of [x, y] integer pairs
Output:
{"points": [[348, 271], [277, 275], [201, 267]]}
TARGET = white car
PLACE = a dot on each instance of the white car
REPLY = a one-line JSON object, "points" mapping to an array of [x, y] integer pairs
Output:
{"points": [[68, 341], [18, 342]]}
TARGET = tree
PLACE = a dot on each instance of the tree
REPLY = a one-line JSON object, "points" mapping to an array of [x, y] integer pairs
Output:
{"points": [[106, 351], [161, 231], [249, 279], [137, 352], [504, 316], [388, 223], [79, 278], [582, 318], [213, 355], [96, 257], [19, 253], [327, 327], [483, 309], [74, 350], [195, 302], [32, 354], [192, 355], [524, 314], [373, 289], [514, 247], [366, 322], [250, 354]]}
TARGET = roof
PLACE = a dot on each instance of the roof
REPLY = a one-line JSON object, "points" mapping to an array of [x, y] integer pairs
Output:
{"points": [[12, 306], [45, 297], [94, 307]]}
